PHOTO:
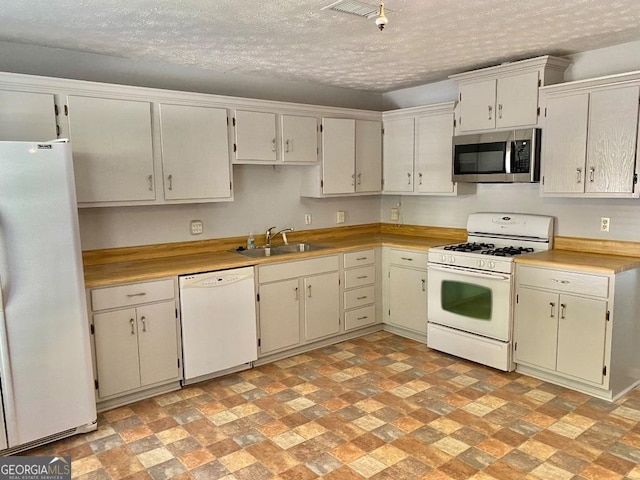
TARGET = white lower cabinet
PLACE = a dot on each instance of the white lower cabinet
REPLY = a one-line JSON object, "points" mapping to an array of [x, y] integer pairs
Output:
{"points": [[136, 340], [576, 329], [406, 293], [298, 303]]}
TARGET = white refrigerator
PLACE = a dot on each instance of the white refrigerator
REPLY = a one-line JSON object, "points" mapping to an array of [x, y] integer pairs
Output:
{"points": [[46, 372]]}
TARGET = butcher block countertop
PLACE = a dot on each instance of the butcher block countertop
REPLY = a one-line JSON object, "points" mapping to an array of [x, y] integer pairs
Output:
{"points": [[149, 262], [134, 264], [588, 262]]}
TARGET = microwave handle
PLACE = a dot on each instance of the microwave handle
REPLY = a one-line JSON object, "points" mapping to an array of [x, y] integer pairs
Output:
{"points": [[507, 157]]}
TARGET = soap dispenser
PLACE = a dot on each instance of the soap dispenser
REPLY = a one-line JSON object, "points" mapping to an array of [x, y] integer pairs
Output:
{"points": [[251, 242]]}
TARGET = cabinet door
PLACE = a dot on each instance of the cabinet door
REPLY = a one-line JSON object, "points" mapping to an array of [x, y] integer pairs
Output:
{"points": [[299, 139], [255, 136], [112, 150], [195, 152], [477, 105], [581, 337], [517, 100], [321, 305], [398, 155], [158, 342], [408, 298], [116, 341], [611, 148], [564, 144], [368, 156], [27, 117], [338, 155], [434, 153], [279, 315], [536, 328]]}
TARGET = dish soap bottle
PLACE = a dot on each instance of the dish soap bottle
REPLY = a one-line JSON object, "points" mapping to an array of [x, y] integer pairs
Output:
{"points": [[251, 242]]}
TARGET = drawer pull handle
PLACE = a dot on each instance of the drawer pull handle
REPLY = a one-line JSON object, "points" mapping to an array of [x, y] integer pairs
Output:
{"points": [[131, 322], [362, 298], [578, 175], [150, 180], [552, 305], [297, 296], [363, 318], [563, 310], [141, 294], [424, 284], [309, 291], [144, 324], [359, 259], [564, 282], [362, 277], [170, 179], [408, 259], [591, 173]]}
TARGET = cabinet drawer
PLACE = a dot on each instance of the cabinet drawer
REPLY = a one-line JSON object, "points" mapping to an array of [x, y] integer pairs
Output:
{"points": [[408, 258], [359, 297], [132, 294], [564, 281], [297, 268], [355, 259], [360, 317], [359, 277]]}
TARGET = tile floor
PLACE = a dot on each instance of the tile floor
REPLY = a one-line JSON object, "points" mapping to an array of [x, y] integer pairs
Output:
{"points": [[378, 407]]}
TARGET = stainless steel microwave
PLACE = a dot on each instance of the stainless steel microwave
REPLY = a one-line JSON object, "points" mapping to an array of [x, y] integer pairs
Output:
{"points": [[497, 157]]}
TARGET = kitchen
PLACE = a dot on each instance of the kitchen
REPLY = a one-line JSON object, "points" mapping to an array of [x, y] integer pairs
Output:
{"points": [[106, 228]]}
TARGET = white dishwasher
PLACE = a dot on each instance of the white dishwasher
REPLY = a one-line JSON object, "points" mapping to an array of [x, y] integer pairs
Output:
{"points": [[218, 311]]}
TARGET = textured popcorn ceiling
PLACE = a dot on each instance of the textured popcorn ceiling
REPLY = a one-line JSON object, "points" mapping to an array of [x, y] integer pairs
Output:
{"points": [[425, 40]]}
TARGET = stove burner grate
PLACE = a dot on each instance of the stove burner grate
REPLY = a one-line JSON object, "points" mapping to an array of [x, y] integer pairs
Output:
{"points": [[469, 247], [507, 251]]}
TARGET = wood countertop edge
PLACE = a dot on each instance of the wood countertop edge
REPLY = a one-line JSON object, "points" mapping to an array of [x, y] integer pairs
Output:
{"points": [[587, 262]]}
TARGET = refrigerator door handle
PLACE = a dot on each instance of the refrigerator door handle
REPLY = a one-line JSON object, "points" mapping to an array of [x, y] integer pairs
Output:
{"points": [[7, 408]]}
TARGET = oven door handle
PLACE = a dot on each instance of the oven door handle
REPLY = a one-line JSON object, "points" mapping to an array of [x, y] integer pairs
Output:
{"points": [[469, 273]]}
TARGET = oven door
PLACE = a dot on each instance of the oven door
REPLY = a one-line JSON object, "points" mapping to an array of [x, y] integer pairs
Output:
{"points": [[471, 301]]}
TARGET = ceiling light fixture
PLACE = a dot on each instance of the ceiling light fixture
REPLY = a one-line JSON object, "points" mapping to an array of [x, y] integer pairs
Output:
{"points": [[381, 20]]}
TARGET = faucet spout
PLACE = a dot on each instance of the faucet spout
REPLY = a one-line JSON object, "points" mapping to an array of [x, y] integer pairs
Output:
{"points": [[268, 236], [283, 232]]}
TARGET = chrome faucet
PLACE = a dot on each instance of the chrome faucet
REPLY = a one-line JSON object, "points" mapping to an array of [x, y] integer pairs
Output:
{"points": [[268, 236]]}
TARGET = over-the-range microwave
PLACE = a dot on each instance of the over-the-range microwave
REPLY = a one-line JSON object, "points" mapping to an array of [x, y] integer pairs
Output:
{"points": [[506, 157]]}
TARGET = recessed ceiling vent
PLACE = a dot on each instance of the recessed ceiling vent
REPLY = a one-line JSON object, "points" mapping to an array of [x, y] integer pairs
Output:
{"points": [[354, 7]]}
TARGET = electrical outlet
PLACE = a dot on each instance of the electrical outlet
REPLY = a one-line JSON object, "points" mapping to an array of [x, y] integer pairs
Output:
{"points": [[605, 224], [395, 214], [307, 219], [340, 216], [196, 227]]}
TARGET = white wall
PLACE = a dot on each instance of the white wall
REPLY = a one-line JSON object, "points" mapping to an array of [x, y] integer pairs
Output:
{"points": [[574, 217], [264, 196]]}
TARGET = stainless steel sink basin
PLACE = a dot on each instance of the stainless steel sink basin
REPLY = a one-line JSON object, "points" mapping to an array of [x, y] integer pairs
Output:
{"points": [[260, 252]]}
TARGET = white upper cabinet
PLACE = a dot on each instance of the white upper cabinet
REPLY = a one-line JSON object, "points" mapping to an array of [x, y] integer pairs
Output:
{"points": [[505, 96], [398, 154], [418, 154], [351, 159], [338, 155], [368, 166], [255, 139], [112, 149], [590, 138], [27, 116], [270, 138], [299, 139], [195, 152]]}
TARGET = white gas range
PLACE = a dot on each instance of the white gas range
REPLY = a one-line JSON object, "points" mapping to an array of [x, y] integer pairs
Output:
{"points": [[471, 286]]}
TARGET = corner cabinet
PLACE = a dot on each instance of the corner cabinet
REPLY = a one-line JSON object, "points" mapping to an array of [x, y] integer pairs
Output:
{"points": [[136, 341], [351, 159], [590, 139], [418, 153], [576, 328], [505, 96], [405, 285]]}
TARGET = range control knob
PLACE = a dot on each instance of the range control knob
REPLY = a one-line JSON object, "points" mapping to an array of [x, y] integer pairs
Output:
{"points": [[492, 264], [481, 263], [444, 257], [452, 259]]}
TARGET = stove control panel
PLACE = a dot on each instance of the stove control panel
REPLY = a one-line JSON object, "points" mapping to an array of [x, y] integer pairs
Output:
{"points": [[471, 261]]}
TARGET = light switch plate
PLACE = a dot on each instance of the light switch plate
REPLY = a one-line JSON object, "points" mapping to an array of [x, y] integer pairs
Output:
{"points": [[340, 216]]}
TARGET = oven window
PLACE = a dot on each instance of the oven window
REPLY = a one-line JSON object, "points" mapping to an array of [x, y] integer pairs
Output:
{"points": [[466, 299]]}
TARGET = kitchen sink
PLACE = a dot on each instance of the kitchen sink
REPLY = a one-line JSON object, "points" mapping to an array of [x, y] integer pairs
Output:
{"points": [[260, 252]]}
